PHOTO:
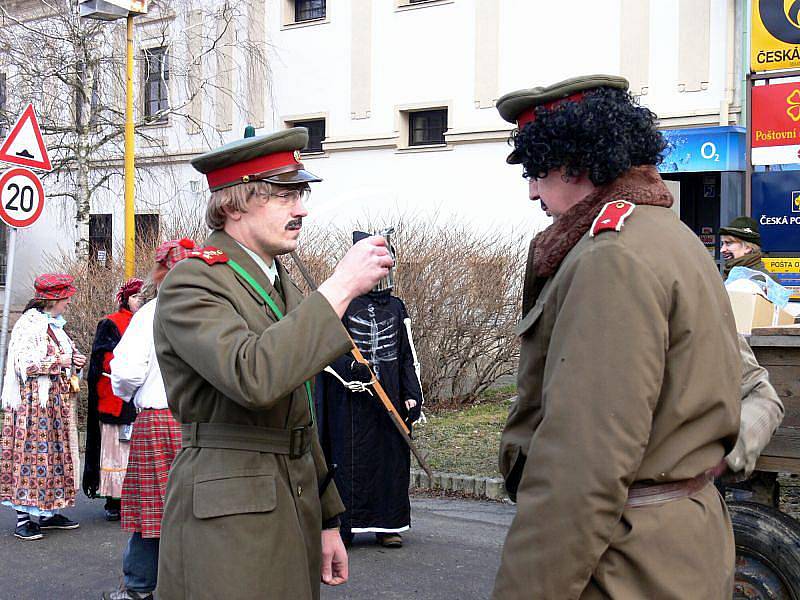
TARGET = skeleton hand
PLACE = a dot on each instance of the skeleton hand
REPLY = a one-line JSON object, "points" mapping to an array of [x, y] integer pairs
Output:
{"points": [[353, 386], [358, 386], [410, 404]]}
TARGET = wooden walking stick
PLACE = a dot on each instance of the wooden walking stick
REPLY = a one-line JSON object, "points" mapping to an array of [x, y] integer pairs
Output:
{"points": [[394, 416]]}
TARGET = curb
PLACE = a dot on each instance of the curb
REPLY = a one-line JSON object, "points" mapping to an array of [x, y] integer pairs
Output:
{"points": [[492, 488]]}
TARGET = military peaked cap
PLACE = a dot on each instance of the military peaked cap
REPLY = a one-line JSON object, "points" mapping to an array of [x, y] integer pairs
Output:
{"points": [[520, 107], [274, 158]]}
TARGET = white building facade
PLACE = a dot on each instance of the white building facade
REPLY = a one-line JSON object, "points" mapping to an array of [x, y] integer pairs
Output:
{"points": [[400, 96]]}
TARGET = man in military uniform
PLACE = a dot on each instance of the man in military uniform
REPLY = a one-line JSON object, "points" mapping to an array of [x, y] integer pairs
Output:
{"points": [[248, 513], [629, 371]]}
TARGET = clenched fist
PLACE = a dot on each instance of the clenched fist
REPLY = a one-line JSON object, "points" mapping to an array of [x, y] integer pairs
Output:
{"points": [[364, 265]]}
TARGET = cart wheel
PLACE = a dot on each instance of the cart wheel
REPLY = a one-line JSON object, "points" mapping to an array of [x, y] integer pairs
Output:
{"points": [[767, 553]]}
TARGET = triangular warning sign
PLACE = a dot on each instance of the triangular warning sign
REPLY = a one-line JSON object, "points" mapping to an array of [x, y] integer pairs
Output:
{"points": [[24, 145]]}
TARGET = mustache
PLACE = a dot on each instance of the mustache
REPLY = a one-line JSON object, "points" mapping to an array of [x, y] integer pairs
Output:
{"points": [[294, 224]]}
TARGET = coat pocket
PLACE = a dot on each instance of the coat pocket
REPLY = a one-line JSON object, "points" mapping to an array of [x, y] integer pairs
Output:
{"points": [[221, 495]]}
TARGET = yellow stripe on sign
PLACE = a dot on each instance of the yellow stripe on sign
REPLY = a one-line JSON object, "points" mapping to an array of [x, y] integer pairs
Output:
{"points": [[782, 265]]}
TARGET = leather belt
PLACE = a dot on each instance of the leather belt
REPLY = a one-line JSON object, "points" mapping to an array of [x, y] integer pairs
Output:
{"points": [[649, 495], [227, 436]]}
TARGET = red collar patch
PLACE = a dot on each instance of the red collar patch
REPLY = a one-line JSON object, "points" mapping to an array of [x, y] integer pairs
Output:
{"points": [[209, 254], [612, 217]]}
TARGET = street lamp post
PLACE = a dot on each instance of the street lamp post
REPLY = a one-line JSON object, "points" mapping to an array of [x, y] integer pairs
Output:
{"points": [[130, 233], [111, 10]]}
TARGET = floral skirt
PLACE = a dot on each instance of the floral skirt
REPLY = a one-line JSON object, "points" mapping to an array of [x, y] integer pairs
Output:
{"points": [[37, 468]]}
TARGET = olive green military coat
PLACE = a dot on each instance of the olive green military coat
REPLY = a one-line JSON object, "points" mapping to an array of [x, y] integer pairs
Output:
{"points": [[242, 524], [629, 372]]}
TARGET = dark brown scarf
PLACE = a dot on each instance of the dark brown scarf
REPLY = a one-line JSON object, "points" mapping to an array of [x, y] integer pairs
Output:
{"points": [[751, 261], [639, 185]]}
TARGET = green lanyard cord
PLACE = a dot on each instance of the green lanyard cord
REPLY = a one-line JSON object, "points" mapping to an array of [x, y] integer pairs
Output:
{"points": [[274, 307]]}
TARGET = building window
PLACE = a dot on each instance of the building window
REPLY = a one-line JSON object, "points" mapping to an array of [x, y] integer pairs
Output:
{"points": [[100, 236], [427, 127], [156, 92], [309, 10], [3, 120], [316, 134], [146, 227]]}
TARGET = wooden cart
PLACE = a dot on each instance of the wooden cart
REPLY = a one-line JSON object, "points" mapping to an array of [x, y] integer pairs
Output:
{"points": [[768, 541], [778, 350]]}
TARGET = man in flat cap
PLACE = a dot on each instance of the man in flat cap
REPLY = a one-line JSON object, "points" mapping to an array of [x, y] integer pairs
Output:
{"points": [[248, 513], [629, 369], [740, 245]]}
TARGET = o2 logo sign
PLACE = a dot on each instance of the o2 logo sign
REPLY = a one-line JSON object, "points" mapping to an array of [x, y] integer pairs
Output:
{"points": [[21, 197], [781, 19], [709, 151]]}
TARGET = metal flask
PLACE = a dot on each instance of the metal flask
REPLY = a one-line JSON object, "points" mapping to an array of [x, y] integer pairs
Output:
{"points": [[387, 283]]}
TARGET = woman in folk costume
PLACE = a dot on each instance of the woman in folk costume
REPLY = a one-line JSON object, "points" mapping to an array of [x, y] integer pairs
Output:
{"points": [[39, 456], [156, 439], [109, 419]]}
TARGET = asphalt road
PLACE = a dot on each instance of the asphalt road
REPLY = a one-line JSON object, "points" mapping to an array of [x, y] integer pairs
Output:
{"points": [[452, 551]]}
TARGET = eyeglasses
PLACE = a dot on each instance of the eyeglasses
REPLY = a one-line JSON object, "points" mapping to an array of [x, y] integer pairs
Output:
{"points": [[291, 197]]}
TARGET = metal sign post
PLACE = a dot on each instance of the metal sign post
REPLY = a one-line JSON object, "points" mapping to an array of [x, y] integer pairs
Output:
{"points": [[12, 244], [22, 200]]}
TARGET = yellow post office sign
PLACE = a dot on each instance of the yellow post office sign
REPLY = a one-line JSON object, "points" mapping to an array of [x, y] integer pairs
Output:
{"points": [[782, 265], [775, 35]]}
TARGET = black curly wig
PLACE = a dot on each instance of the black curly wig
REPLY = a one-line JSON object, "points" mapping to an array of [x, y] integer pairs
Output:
{"points": [[603, 135]]}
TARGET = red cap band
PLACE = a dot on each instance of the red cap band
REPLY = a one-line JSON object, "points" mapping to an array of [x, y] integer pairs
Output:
{"points": [[529, 116], [236, 173]]}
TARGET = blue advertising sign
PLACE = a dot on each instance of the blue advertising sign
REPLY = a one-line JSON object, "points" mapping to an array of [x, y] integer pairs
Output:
{"points": [[776, 207], [701, 149]]}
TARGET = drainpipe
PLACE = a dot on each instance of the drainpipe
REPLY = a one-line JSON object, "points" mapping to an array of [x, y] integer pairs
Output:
{"points": [[730, 54]]}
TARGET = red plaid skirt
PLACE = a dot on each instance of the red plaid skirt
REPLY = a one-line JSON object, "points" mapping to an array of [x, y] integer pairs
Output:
{"points": [[155, 442]]}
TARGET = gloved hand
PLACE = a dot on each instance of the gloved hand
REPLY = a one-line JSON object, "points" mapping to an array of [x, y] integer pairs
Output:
{"points": [[755, 431]]}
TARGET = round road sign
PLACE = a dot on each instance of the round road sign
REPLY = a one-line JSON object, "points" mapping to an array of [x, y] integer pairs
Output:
{"points": [[21, 197]]}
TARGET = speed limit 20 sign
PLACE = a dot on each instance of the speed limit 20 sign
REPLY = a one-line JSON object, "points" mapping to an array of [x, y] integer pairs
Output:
{"points": [[21, 197]]}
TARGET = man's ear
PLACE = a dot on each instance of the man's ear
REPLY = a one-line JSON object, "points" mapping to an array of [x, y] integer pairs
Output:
{"points": [[232, 214]]}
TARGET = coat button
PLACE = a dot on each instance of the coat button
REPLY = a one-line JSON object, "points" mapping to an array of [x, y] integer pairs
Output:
{"points": [[299, 490]]}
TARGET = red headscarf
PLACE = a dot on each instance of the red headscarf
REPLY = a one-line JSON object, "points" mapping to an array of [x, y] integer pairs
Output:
{"points": [[128, 289], [172, 252], [53, 286]]}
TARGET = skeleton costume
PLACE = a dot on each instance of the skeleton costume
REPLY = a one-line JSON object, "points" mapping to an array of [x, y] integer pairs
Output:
{"points": [[356, 433]]}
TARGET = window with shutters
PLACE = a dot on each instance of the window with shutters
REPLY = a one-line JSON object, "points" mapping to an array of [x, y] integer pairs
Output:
{"points": [[156, 84], [147, 228], [100, 239]]}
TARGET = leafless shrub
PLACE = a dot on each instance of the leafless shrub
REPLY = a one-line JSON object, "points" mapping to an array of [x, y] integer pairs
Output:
{"points": [[462, 290]]}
